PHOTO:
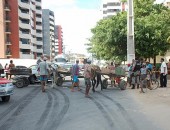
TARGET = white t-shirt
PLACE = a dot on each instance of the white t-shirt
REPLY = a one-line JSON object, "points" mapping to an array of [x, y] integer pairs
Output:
{"points": [[43, 66], [163, 65]]}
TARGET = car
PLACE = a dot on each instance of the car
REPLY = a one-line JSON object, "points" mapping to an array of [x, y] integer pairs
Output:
{"points": [[67, 66], [6, 89], [35, 74]]}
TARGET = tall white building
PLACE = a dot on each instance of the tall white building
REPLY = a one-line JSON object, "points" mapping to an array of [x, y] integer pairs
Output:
{"points": [[112, 7]]}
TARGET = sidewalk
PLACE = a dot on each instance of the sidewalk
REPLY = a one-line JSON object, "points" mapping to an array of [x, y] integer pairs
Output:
{"points": [[155, 104]]}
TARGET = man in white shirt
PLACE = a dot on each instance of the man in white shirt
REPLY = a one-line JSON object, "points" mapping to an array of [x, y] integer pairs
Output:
{"points": [[163, 76], [44, 72]]}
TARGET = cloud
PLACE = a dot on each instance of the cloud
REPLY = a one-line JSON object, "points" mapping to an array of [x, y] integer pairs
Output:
{"points": [[57, 3], [76, 23]]}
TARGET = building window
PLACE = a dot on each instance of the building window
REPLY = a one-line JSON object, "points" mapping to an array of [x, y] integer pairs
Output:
{"points": [[25, 41], [25, 1], [114, 4]]}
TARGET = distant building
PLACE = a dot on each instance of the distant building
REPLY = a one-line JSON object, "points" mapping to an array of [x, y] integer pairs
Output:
{"points": [[59, 39], [112, 7], [48, 32], [21, 29], [167, 3]]}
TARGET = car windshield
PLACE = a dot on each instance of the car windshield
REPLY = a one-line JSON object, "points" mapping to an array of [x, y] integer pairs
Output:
{"points": [[67, 66], [60, 60]]}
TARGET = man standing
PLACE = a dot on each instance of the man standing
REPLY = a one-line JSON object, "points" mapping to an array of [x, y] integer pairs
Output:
{"points": [[40, 60], [163, 76], [75, 73], [87, 76], [44, 72]]}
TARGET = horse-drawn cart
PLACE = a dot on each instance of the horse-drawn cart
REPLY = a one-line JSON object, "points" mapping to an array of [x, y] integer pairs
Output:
{"points": [[117, 77]]}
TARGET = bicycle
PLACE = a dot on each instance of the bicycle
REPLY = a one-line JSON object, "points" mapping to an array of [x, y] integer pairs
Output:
{"points": [[150, 82]]}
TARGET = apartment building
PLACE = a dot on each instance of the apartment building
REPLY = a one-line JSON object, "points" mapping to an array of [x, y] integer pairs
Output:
{"points": [[48, 32], [59, 39], [112, 7], [167, 3], [22, 20]]}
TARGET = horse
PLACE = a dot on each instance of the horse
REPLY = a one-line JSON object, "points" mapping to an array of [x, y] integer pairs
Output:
{"points": [[96, 77]]}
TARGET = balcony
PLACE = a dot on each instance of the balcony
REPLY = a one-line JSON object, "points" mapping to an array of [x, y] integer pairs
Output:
{"points": [[24, 25], [8, 53], [24, 15], [38, 3], [38, 11], [8, 31], [8, 43], [39, 50], [39, 43], [38, 19], [24, 5], [7, 8], [25, 55], [7, 20], [39, 27]]}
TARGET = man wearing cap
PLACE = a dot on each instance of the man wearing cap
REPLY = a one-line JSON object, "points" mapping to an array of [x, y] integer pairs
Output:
{"points": [[163, 76], [44, 72]]}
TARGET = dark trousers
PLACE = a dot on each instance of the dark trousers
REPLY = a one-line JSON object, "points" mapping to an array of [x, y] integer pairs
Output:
{"points": [[163, 80]]}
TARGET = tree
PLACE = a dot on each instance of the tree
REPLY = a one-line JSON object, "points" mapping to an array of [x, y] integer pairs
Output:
{"points": [[109, 36], [152, 24]]}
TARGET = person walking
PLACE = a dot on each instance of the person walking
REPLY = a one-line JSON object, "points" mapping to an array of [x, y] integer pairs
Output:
{"points": [[163, 76], [75, 73], [87, 76], [44, 72]]}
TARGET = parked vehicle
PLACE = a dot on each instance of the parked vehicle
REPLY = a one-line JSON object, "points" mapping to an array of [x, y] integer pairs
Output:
{"points": [[6, 89]]}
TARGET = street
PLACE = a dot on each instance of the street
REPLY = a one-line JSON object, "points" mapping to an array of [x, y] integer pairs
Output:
{"points": [[60, 109]]}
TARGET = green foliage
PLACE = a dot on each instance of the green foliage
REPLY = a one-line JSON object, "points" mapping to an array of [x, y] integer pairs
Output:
{"points": [[152, 35]]}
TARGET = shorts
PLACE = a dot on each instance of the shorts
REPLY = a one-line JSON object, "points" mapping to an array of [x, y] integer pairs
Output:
{"points": [[87, 82], [75, 79], [43, 77]]}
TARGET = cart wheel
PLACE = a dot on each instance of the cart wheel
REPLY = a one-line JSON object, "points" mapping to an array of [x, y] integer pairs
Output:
{"points": [[59, 82], [19, 83], [105, 84], [32, 79], [26, 82], [122, 85]]}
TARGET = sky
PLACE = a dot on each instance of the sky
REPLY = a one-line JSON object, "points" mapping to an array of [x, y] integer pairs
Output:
{"points": [[76, 17]]}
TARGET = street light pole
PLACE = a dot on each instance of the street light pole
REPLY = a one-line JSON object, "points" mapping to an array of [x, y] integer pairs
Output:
{"points": [[130, 32]]}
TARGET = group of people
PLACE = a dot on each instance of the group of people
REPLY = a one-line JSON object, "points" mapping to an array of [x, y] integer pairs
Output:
{"points": [[140, 70], [90, 77]]}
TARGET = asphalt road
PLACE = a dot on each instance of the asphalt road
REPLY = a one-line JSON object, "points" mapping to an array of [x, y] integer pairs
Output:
{"points": [[60, 109]]}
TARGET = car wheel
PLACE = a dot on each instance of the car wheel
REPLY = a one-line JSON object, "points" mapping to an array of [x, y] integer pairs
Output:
{"points": [[19, 83], [32, 79], [5, 98]]}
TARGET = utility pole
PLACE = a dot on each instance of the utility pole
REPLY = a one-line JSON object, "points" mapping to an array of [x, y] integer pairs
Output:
{"points": [[130, 32]]}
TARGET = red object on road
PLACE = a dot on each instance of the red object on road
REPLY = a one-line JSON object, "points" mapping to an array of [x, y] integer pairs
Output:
{"points": [[4, 81]]}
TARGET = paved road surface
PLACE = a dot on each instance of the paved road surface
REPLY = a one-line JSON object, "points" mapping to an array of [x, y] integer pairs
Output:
{"points": [[60, 109]]}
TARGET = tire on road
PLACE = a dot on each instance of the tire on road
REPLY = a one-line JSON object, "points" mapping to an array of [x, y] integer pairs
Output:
{"points": [[59, 82], [123, 85], [32, 79], [105, 84], [19, 83], [5, 98]]}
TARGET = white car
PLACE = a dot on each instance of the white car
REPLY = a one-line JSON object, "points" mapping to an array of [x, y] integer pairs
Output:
{"points": [[6, 89]]}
